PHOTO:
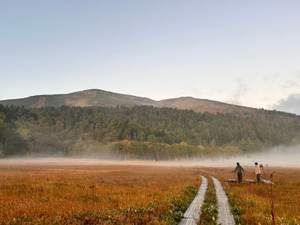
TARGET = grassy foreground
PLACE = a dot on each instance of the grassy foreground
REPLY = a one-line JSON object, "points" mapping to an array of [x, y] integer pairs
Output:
{"points": [[95, 194], [133, 194]]}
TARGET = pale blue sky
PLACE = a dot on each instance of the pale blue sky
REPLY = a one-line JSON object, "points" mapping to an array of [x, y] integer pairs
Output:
{"points": [[242, 52]]}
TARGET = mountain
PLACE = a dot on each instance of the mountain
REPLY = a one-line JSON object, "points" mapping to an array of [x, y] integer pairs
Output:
{"points": [[85, 98], [97, 97], [146, 129], [204, 105]]}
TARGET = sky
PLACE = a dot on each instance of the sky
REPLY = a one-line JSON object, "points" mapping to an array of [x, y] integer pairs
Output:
{"points": [[240, 52]]}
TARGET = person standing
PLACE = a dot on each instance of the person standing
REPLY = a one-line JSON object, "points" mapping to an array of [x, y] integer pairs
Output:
{"points": [[257, 172], [239, 171]]}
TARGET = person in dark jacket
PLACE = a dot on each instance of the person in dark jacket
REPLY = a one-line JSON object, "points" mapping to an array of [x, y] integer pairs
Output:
{"points": [[257, 172], [239, 171]]}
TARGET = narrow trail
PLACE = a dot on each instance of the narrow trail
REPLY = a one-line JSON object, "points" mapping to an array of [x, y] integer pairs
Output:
{"points": [[192, 214], [224, 215]]}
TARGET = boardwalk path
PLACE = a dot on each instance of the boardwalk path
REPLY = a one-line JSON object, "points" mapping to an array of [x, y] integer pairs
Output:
{"points": [[192, 214], [224, 215]]}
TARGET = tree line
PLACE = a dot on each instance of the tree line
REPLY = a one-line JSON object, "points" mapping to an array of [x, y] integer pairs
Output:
{"points": [[140, 132]]}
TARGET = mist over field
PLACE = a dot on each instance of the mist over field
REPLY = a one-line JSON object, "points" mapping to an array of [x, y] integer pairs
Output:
{"points": [[277, 156], [273, 157]]}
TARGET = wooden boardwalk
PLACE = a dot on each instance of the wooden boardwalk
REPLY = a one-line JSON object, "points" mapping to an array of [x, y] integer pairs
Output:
{"points": [[192, 214], [225, 217]]}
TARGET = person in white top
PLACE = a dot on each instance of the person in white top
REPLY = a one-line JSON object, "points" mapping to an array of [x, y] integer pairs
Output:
{"points": [[257, 172]]}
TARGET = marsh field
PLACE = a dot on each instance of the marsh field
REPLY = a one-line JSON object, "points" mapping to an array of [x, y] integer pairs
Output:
{"points": [[137, 193]]}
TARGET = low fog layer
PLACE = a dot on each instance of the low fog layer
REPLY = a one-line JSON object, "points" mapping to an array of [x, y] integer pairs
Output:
{"points": [[279, 156]]}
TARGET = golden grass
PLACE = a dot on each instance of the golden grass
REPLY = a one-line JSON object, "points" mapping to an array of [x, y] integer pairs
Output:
{"points": [[119, 194], [73, 194]]}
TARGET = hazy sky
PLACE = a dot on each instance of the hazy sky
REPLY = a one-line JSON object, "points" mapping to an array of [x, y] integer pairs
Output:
{"points": [[241, 52]]}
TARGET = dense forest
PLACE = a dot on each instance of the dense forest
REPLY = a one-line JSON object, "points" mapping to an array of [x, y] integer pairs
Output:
{"points": [[142, 132]]}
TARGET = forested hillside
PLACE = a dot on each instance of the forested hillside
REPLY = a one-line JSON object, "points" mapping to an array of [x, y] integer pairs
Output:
{"points": [[140, 132], [10, 140]]}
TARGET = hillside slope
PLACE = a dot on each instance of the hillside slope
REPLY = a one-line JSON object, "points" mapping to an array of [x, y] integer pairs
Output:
{"points": [[96, 97], [204, 105], [85, 98]]}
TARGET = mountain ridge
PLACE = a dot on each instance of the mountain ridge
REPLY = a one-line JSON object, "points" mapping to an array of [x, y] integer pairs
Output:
{"points": [[99, 97]]}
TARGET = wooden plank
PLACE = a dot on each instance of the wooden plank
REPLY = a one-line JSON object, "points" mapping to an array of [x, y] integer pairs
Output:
{"points": [[225, 217], [193, 213]]}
